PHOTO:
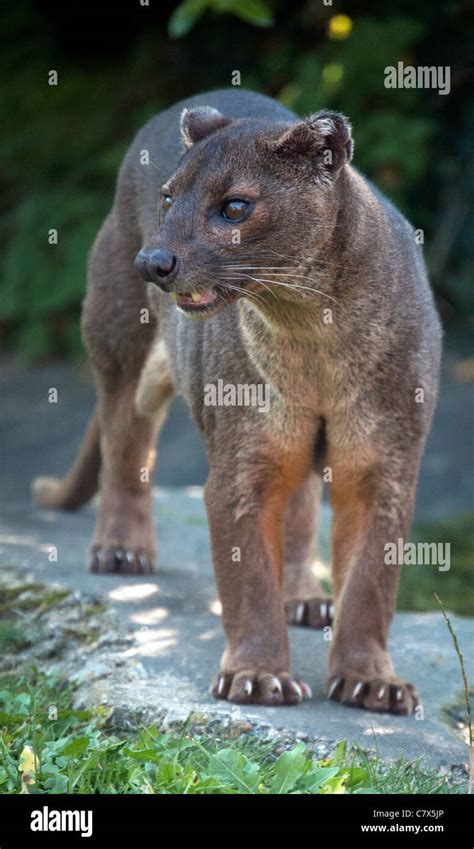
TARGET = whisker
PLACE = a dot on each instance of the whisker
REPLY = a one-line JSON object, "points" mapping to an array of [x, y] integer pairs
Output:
{"points": [[325, 266], [260, 281], [245, 292], [237, 267], [304, 288], [328, 266], [332, 263], [293, 286]]}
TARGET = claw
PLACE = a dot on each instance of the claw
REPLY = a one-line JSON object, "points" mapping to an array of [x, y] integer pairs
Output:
{"points": [[119, 558], [307, 691], [300, 608], [297, 689], [333, 687], [357, 689], [276, 686], [95, 560], [143, 562]]}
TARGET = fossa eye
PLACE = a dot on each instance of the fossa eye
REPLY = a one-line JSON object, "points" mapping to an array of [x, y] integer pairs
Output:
{"points": [[235, 210], [166, 202]]}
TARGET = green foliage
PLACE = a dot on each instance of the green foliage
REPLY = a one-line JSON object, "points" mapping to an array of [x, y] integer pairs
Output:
{"points": [[42, 284], [255, 12], [63, 144], [13, 636], [419, 583], [79, 752], [185, 16], [392, 140]]}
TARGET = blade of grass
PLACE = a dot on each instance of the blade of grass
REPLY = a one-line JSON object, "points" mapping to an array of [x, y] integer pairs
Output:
{"points": [[460, 655]]}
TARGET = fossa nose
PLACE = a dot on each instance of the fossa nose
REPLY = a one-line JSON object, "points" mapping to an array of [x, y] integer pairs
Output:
{"points": [[157, 266]]}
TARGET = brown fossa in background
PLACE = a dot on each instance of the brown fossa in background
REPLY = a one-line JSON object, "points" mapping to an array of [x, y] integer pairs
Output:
{"points": [[309, 284]]}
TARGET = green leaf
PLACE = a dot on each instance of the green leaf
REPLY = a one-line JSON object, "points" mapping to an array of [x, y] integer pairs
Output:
{"points": [[75, 748], [12, 719], [289, 767], [57, 784], [80, 715], [235, 770], [317, 778], [147, 755], [255, 12], [335, 785], [185, 16], [339, 755], [356, 774]]}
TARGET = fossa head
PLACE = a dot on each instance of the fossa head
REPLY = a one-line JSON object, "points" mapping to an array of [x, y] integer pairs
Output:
{"points": [[248, 200]]}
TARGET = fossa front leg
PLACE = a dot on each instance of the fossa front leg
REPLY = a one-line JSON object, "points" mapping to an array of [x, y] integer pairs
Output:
{"points": [[372, 505], [246, 494]]}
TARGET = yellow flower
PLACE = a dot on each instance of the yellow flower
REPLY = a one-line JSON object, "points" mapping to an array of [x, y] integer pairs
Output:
{"points": [[27, 767], [340, 27]]}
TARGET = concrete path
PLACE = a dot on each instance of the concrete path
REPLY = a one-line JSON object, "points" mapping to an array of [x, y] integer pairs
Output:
{"points": [[165, 669]]}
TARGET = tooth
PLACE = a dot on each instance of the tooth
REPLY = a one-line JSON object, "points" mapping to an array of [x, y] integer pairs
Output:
{"points": [[173, 295], [196, 297]]}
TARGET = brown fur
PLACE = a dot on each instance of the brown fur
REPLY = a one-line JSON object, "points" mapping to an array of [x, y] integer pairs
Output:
{"points": [[318, 236], [81, 483]]}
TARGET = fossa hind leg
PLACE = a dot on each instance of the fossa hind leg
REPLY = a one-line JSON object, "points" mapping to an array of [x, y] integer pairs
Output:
{"points": [[118, 344], [306, 603]]}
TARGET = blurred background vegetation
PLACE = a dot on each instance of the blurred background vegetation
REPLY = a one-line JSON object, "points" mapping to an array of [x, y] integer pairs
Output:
{"points": [[119, 64]]}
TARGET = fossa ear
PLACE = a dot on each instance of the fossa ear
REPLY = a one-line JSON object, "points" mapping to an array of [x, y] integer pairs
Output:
{"points": [[321, 145], [200, 122]]}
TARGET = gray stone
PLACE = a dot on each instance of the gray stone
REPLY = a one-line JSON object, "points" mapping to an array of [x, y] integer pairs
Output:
{"points": [[155, 657]]}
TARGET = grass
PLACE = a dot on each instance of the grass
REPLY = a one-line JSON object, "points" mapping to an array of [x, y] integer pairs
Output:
{"points": [[42, 602], [48, 747], [466, 691], [14, 636], [419, 584]]}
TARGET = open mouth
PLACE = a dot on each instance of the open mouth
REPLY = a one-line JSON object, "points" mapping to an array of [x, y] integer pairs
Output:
{"points": [[205, 302]]}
